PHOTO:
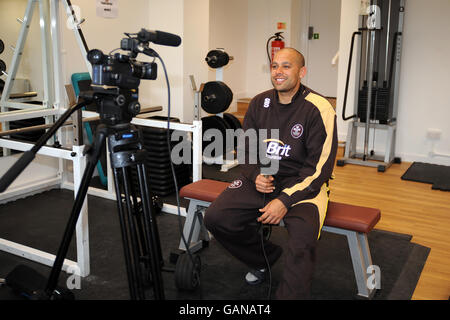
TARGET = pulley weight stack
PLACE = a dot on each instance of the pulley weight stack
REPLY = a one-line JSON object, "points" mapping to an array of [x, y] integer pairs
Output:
{"points": [[377, 82]]}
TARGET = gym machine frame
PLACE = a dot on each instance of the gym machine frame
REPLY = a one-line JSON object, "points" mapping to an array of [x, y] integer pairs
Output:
{"points": [[51, 106], [369, 35]]}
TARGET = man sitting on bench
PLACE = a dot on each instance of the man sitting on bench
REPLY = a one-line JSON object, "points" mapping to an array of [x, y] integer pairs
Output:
{"points": [[297, 193]]}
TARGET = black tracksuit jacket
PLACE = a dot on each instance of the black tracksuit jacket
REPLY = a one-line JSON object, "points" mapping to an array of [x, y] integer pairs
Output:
{"points": [[307, 144]]}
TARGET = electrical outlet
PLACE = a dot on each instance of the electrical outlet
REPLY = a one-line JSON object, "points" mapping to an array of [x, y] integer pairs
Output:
{"points": [[434, 134]]}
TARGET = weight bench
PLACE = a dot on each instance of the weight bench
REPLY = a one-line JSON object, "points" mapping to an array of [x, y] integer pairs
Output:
{"points": [[354, 222]]}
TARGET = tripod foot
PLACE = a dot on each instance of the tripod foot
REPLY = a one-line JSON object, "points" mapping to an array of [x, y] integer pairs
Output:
{"points": [[187, 272]]}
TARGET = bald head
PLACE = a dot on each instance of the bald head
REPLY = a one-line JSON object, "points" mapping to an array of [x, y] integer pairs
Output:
{"points": [[287, 70], [297, 55]]}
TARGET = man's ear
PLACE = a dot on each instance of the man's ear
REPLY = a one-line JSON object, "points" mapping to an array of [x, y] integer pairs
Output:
{"points": [[302, 72]]}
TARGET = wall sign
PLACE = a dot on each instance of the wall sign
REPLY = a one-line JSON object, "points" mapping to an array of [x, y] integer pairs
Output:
{"points": [[107, 8]]}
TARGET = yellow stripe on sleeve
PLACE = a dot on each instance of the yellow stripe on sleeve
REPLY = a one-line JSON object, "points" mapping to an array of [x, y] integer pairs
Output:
{"points": [[327, 113]]}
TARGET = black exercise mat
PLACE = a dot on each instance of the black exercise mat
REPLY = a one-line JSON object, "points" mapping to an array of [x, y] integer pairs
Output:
{"points": [[437, 175], [39, 222]]}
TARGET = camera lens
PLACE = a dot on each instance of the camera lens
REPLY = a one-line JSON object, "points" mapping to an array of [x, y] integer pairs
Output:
{"points": [[149, 71]]}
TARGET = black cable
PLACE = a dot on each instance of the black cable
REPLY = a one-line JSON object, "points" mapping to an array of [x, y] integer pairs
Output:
{"points": [[264, 253], [180, 224]]}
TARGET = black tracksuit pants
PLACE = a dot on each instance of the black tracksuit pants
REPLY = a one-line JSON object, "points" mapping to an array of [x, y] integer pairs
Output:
{"points": [[231, 218]]}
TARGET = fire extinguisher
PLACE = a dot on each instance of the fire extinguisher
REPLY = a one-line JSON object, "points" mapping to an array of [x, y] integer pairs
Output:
{"points": [[276, 45]]}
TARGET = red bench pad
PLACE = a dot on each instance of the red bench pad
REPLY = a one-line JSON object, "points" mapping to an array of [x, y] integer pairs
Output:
{"points": [[339, 215]]}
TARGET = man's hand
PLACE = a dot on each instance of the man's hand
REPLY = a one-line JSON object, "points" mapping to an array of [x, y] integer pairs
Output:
{"points": [[273, 212], [264, 184]]}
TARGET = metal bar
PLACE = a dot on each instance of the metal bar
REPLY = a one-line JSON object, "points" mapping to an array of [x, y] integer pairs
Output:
{"points": [[82, 226], [47, 151], [369, 92], [56, 49], [33, 254], [387, 41], [358, 264], [22, 105], [376, 125], [77, 125], [44, 126], [365, 249], [197, 156], [20, 114], [46, 59], [398, 48], [163, 124]]}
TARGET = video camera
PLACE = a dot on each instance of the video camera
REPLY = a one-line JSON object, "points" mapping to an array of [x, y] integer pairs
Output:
{"points": [[116, 78]]}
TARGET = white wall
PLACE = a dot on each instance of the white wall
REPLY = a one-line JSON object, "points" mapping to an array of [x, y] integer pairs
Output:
{"points": [[263, 16], [195, 47], [228, 30], [168, 16], [424, 81]]}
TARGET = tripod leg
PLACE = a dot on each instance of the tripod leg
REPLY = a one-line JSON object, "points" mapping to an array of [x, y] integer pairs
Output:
{"points": [[137, 214], [71, 224], [129, 234], [151, 229], [127, 153]]}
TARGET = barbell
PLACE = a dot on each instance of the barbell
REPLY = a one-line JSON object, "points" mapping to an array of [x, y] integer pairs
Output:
{"points": [[217, 58]]}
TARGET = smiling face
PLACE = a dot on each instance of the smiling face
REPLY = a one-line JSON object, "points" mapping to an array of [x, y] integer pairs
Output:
{"points": [[287, 70]]}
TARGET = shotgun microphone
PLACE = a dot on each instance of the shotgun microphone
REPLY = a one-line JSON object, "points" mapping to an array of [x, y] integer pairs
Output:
{"points": [[159, 37]]}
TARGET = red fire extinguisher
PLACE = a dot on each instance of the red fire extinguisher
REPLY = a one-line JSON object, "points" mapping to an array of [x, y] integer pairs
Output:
{"points": [[276, 45]]}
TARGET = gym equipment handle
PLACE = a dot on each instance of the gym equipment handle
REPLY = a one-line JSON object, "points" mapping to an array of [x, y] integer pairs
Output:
{"points": [[348, 78]]}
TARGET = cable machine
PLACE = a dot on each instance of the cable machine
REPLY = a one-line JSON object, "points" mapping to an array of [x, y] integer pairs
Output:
{"points": [[377, 81]]}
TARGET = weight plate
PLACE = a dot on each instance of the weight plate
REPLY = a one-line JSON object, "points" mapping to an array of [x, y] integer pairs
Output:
{"points": [[2, 46], [2, 85], [2, 66], [232, 121], [234, 124], [217, 58], [216, 97], [214, 122]]}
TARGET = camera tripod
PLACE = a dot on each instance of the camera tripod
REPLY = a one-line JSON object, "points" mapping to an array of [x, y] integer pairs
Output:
{"points": [[140, 237]]}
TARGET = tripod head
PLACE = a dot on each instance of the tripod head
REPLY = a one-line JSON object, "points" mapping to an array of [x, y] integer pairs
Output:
{"points": [[116, 78]]}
